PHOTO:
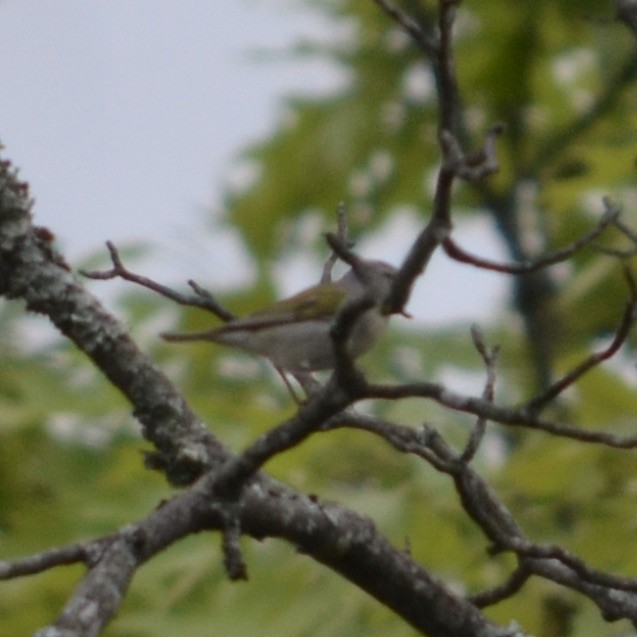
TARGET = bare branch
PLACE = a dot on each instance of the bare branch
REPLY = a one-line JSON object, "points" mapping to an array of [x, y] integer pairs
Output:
{"points": [[492, 516], [232, 495], [518, 416], [425, 244], [101, 592], [201, 299], [629, 233], [516, 581], [610, 217], [46, 560], [341, 248], [345, 542], [403, 439], [489, 356], [319, 407], [231, 536], [628, 320], [424, 42], [471, 167], [526, 549], [342, 232]]}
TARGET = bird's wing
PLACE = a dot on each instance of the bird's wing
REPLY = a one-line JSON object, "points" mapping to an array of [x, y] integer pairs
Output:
{"points": [[317, 302]]}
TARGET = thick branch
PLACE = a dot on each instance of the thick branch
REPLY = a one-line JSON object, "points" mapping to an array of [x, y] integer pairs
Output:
{"points": [[335, 536], [30, 269]]}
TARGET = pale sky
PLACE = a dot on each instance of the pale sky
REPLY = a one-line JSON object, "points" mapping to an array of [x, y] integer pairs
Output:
{"points": [[125, 118]]}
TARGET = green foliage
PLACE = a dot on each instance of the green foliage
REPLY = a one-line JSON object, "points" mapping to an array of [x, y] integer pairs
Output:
{"points": [[562, 80]]}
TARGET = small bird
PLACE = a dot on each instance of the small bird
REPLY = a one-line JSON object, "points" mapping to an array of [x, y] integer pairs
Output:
{"points": [[294, 333]]}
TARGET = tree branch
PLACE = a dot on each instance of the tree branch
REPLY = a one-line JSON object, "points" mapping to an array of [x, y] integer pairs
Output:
{"points": [[610, 218], [424, 42], [616, 596], [516, 416], [349, 544], [201, 298]]}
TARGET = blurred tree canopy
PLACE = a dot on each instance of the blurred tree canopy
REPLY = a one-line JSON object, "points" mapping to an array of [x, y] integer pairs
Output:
{"points": [[560, 75]]}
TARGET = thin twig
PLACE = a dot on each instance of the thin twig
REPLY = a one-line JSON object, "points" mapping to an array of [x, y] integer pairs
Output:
{"points": [[519, 416], [342, 231], [514, 583], [342, 249], [474, 166], [485, 508], [609, 218], [629, 233], [200, 299], [489, 356], [426, 43], [526, 549], [44, 561], [403, 439], [628, 320]]}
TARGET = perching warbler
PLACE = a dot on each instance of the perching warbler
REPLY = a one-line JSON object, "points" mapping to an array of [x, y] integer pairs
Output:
{"points": [[295, 333]]}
